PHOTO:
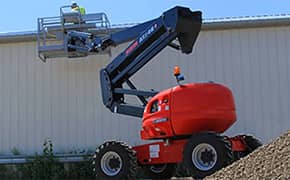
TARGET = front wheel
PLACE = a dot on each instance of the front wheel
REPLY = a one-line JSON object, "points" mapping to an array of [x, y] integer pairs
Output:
{"points": [[159, 171], [115, 160], [205, 153]]}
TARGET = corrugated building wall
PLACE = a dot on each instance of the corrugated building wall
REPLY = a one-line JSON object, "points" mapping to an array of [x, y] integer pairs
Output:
{"points": [[253, 62], [61, 99]]}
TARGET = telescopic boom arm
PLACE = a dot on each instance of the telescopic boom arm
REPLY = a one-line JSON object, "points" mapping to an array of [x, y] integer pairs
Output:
{"points": [[148, 39]]}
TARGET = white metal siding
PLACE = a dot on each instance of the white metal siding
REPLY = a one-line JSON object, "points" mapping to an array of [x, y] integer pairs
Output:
{"points": [[61, 99], [254, 63]]}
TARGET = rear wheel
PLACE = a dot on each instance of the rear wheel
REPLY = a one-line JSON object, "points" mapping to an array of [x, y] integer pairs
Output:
{"points": [[115, 160], [159, 171], [205, 153], [252, 143]]}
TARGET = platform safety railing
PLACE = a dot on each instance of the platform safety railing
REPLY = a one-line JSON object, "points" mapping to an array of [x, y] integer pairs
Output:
{"points": [[52, 31]]}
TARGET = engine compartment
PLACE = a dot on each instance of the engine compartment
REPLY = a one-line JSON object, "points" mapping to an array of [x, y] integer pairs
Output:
{"points": [[187, 109]]}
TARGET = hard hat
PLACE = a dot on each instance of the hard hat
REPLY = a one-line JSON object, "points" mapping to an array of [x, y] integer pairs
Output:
{"points": [[73, 4]]}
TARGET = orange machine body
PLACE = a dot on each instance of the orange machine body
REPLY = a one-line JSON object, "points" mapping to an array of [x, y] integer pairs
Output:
{"points": [[187, 109]]}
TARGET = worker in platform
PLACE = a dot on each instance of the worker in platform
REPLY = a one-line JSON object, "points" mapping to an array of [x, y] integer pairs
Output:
{"points": [[76, 8]]}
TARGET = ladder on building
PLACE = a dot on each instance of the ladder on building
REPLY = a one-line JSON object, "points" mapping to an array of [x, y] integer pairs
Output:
{"points": [[51, 35]]}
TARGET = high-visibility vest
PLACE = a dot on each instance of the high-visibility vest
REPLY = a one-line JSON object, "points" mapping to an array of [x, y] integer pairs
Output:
{"points": [[82, 10]]}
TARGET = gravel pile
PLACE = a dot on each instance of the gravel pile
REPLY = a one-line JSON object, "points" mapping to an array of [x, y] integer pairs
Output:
{"points": [[271, 161]]}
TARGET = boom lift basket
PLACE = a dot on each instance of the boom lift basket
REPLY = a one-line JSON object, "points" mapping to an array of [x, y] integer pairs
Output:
{"points": [[51, 31]]}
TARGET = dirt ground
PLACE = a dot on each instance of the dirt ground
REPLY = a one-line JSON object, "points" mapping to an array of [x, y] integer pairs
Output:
{"points": [[271, 161]]}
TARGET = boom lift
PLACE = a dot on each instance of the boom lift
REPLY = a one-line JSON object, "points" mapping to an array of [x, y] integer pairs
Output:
{"points": [[187, 118]]}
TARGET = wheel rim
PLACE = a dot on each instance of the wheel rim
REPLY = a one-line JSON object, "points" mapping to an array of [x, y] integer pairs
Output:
{"points": [[111, 163], [158, 168], [204, 156]]}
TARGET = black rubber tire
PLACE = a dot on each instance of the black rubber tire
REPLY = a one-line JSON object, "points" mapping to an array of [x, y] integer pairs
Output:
{"points": [[126, 161], [252, 143], [182, 171], [160, 171], [223, 154]]}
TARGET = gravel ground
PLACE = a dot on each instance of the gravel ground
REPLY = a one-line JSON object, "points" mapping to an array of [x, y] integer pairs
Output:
{"points": [[271, 161]]}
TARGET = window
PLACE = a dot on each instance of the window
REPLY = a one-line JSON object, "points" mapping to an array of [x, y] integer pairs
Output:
{"points": [[154, 107]]}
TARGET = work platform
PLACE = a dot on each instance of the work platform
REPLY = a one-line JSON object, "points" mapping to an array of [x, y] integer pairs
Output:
{"points": [[51, 36]]}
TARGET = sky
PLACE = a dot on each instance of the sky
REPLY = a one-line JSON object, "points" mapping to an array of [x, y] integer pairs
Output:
{"points": [[22, 15]]}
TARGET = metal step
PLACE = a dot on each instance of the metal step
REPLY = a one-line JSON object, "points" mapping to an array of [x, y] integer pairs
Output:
{"points": [[59, 51]]}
